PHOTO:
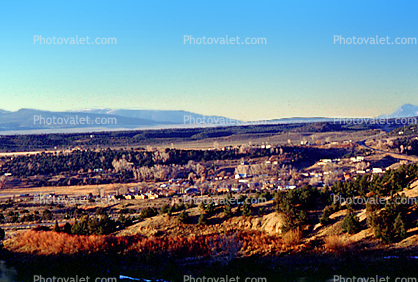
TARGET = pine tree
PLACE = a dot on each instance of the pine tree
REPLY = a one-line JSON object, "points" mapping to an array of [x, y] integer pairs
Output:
{"points": [[56, 227], [399, 227], [246, 209], [183, 217], [351, 224], [324, 220], [106, 225], [228, 210], [81, 227]]}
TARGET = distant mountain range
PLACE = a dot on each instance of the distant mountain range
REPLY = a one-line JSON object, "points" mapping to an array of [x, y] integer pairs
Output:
{"points": [[406, 110], [160, 116], [27, 121], [38, 121]]}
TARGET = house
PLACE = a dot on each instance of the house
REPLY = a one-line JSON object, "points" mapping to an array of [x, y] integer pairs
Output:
{"points": [[357, 159], [377, 170], [286, 187], [236, 189], [241, 175], [222, 190], [324, 161]]}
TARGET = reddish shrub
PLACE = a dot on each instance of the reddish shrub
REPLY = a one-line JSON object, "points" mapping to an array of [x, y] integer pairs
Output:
{"points": [[48, 242]]}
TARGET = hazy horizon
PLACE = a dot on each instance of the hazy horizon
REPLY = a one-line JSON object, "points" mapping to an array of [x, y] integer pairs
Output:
{"points": [[113, 110], [299, 71]]}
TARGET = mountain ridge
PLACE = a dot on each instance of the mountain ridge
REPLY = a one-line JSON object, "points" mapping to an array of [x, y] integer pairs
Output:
{"points": [[27, 119]]}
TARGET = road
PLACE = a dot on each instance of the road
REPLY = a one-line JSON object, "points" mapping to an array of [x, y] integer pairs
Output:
{"points": [[32, 225], [362, 143]]}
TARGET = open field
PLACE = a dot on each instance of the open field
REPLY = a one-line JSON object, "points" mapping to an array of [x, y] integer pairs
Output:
{"points": [[283, 138], [66, 190]]}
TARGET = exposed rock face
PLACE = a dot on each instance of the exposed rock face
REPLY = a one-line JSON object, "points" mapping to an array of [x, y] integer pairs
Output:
{"points": [[272, 223]]}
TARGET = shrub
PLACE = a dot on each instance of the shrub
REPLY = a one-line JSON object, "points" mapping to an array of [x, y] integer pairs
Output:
{"points": [[183, 217], [27, 218], [210, 208], [335, 243], [292, 238], [164, 209], [125, 220], [202, 207], [203, 219], [148, 212], [81, 227], [47, 215], [100, 211], [99, 226], [324, 220], [67, 228], [176, 207], [227, 244]]}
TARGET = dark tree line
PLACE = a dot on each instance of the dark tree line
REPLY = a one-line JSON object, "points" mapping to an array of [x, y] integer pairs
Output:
{"points": [[80, 166]]}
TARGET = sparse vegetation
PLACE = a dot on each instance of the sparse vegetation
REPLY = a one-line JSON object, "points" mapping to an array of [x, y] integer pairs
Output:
{"points": [[336, 243], [183, 217]]}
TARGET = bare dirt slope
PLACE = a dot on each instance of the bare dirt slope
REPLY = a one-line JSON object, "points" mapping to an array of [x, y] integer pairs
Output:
{"points": [[270, 224]]}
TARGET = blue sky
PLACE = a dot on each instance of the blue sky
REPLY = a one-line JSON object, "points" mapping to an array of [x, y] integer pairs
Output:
{"points": [[299, 72]]}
